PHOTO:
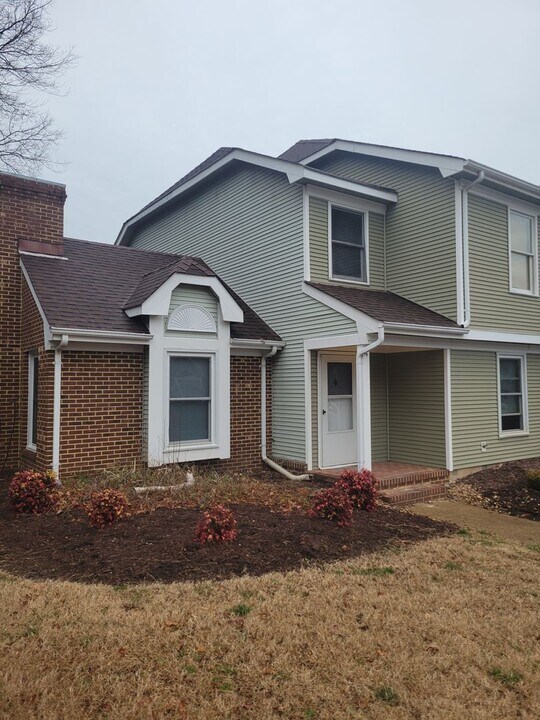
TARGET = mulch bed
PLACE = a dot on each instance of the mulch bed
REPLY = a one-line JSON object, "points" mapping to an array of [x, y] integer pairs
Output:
{"points": [[503, 488], [159, 545]]}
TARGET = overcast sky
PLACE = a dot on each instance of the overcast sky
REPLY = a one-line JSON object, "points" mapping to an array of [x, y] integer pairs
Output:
{"points": [[160, 84]]}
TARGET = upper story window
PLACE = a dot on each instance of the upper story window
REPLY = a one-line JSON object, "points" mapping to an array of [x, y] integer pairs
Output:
{"points": [[348, 246], [523, 253]]}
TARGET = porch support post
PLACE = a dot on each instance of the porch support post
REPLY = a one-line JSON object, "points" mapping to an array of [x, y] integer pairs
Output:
{"points": [[363, 408]]}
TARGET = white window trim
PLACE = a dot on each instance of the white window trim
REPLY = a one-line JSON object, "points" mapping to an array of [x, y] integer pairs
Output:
{"points": [[522, 357], [32, 358], [365, 217], [534, 221], [212, 442]]}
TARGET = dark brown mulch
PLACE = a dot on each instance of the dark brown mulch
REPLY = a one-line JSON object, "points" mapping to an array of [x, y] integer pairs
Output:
{"points": [[503, 488], [159, 546]]}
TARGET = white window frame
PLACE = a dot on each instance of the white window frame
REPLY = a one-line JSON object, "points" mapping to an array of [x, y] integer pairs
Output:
{"points": [[534, 225], [32, 361], [192, 444], [365, 217], [524, 394]]}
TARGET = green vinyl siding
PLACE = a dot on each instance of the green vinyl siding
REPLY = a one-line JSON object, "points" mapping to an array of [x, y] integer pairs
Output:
{"points": [[248, 227], [379, 408], [420, 229], [192, 295], [475, 411], [319, 248], [493, 306], [416, 407]]}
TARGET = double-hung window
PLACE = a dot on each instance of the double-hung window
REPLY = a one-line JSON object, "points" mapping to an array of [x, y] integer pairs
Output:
{"points": [[31, 439], [348, 244], [523, 253], [190, 399], [512, 394]]}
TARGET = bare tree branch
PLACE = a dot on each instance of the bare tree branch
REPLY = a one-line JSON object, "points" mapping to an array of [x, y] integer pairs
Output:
{"points": [[28, 66]]}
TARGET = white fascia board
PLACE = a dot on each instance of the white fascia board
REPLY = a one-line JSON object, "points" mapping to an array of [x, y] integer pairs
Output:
{"points": [[100, 336], [159, 302], [504, 179], [262, 344], [295, 172], [503, 337], [47, 337], [427, 330], [447, 164], [364, 323]]}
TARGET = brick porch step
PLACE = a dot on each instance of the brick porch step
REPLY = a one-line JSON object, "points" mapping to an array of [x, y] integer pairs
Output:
{"points": [[406, 494], [413, 478]]}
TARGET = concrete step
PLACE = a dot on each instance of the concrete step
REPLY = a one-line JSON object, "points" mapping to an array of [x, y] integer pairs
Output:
{"points": [[407, 494]]}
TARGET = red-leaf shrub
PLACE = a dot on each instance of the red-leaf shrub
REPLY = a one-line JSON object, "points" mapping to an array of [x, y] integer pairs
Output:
{"points": [[33, 492], [107, 507], [360, 486], [333, 504], [216, 525]]}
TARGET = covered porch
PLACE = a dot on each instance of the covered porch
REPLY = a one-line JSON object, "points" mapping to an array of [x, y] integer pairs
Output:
{"points": [[387, 410]]}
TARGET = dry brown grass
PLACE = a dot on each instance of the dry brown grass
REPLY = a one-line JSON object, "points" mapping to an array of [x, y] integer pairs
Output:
{"points": [[449, 633]]}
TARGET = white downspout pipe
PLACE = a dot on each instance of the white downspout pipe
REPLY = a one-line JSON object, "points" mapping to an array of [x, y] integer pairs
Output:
{"points": [[265, 458], [363, 401], [57, 396], [465, 248]]}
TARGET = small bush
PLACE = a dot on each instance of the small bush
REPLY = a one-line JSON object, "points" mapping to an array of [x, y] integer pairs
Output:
{"points": [[107, 507], [216, 525], [533, 480], [360, 486], [33, 492], [333, 504]]}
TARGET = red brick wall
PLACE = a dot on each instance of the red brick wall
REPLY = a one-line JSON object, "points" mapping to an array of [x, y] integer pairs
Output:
{"points": [[246, 415], [101, 410], [29, 210]]}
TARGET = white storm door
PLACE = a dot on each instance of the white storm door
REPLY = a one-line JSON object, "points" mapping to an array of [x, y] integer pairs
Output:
{"points": [[338, 411]]}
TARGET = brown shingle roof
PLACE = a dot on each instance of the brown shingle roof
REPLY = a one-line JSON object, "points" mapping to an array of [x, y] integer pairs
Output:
{"points": [[304, 148], [386, 306], [89, 289]]}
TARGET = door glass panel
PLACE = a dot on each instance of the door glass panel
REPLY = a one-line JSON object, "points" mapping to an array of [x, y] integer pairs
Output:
{"points": [[339, 378], [340, 414]]}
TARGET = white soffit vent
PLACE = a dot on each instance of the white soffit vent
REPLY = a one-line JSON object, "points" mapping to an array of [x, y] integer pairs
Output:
{"points": [[191, 318]]}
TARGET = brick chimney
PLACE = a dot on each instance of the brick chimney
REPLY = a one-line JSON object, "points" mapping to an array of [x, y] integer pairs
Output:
{"points": [[31, 219]]}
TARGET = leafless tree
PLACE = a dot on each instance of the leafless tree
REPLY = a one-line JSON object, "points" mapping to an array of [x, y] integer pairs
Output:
{"points": [[28, 68]]}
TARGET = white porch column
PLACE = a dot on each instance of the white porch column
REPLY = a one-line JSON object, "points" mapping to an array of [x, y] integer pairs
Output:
{"points": [[363, 409], [156, 440]]}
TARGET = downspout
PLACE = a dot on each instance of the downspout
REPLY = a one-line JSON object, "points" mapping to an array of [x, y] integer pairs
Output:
{"points": [[363, 400], [56, 405], [465, 247], [265, 459]]}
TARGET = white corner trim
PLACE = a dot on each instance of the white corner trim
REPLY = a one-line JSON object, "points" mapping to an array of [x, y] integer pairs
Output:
{"points": [[191, 318], [47, 336], [305, 233], [448, 409], [32, 355], [308, 409], [57, 396], [159, 302], [458, 202]]}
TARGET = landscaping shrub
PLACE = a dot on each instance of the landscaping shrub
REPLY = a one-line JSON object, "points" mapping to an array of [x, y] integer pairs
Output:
{"points": [[533, 480], [33, 492], [107, 507], [216, 525], [360, 487], [333, 504]]}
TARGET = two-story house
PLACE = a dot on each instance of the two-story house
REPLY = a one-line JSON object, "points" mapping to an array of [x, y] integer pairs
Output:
{"points": [[396, 293]]}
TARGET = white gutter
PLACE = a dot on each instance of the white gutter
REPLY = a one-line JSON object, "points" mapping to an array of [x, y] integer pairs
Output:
{"points": [[57, 396], [84, 335], [265, 458], [465, 248], [363, 400], [424, 330]]}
